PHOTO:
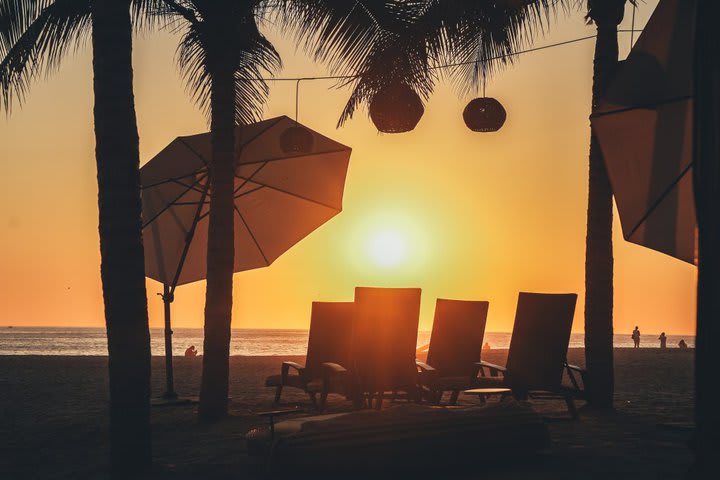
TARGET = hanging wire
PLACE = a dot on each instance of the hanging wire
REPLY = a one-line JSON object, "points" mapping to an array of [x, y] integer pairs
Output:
{"points": [[435, 67], [297, 99], [632, 27]]}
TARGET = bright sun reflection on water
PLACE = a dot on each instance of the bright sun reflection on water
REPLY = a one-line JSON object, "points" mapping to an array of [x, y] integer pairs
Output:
{"points": [[388, 248]]}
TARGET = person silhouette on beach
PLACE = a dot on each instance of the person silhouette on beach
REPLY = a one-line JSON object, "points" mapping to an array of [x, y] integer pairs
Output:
{"points": [[486, 346], [191, 351], [636, 337], [682, 344], [663, 340]]}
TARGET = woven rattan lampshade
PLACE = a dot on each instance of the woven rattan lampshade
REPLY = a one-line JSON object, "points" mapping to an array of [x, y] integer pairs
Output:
{"points": [[484, 114], [396, 109], [296, 139]]}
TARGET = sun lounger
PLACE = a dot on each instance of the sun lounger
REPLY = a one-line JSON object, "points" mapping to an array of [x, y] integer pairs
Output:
{"points": [[537, 357], [382, 348], [399, 439], [455, 347], [328, 341]]}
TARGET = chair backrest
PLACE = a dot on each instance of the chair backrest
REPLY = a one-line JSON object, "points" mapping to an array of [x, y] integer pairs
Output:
{"points": [[540, 338], [457, 336], [384, 339], [330, 333]]}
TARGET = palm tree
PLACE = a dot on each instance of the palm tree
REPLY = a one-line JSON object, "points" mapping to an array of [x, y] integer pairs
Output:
{"points": [[607, 15], [223, 55], [34, 36], [706, 179]]}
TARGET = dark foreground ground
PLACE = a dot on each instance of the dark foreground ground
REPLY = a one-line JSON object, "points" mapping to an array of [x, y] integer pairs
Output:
{"points": [[53, 422]]}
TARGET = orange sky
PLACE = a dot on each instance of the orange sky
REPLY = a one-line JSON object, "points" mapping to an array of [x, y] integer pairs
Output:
{"points": [[482, 216]]}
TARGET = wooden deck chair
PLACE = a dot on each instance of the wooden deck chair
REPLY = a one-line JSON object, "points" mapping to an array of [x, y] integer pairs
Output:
{"points": [[455, 346], [537, 357], [382, 347], [328, 341]]}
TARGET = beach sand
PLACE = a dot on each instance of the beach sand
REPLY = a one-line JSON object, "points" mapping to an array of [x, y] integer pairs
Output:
{"points": [[53, 420]]}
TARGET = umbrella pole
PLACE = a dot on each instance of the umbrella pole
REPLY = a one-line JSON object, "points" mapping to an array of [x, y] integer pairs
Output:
{"points": [[169, 384]]}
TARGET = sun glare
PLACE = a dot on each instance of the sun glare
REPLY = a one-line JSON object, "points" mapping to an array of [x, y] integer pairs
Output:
{"points": [[388, 248]]}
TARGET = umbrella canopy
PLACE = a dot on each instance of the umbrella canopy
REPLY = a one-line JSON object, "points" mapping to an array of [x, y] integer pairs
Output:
{"points": [[644, 127], [280, 198]]}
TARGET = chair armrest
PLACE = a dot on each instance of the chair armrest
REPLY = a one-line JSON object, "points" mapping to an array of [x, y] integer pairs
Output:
{"points": [[286, 366], [424, 367], [581, 371], [576, 368], [330, 368], [494, 369]]}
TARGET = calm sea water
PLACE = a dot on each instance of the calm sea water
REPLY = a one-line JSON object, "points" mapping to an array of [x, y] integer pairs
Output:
{"points": [[251, 342]]}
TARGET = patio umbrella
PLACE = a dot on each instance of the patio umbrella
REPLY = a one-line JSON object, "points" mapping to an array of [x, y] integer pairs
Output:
{"points": [[644, 127], [282, 194]]}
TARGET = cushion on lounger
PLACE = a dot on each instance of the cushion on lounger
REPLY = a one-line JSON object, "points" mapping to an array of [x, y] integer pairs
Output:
{"points": [[407, 436]]}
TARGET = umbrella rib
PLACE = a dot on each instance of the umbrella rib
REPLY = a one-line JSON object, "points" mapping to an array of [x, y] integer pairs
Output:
{"points": [[252, 139], [250, 191], [188, 239], [292, 157], [251, 235], [192, 150], [301, 197], [173, 179], [248, 179], [660, 199], [166, 207], [644, 106]]}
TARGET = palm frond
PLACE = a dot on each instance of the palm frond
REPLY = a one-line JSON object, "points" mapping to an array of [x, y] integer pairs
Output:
{"points": [[36, 36], [482, 37], [230, 33]]}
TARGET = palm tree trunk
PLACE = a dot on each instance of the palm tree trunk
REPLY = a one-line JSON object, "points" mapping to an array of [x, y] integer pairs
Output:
{"points": [[221, 250], [706, 170], [606, 14], [121, 246]]}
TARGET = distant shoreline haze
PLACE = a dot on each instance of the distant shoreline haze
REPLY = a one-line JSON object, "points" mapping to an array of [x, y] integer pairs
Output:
{"points": [[76, 341]]}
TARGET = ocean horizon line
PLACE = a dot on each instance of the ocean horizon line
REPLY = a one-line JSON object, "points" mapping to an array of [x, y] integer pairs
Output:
{"points": [[64, 327]]}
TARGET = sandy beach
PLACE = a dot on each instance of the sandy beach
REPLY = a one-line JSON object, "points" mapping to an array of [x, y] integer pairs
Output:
{"points": [[53, 420]]}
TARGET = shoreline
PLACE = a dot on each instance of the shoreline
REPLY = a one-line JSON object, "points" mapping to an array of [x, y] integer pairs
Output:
{"points": [[281, 355]]}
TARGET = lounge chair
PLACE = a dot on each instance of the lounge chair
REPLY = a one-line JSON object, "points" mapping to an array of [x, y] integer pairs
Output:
{"points": [[403, 441], [329, 341], [455, 347], [382, 348], [537, 357]]}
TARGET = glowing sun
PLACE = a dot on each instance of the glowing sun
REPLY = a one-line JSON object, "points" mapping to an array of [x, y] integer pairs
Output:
{"points": [[388, 248]]}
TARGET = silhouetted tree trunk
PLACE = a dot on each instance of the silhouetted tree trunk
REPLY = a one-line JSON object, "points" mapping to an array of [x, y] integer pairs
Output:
{"points": [[706, 170], [121, 247], [221, 249], [606, 14]]}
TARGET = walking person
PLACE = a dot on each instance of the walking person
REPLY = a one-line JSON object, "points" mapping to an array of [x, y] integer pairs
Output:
{"points": [[663, 340], [636, 337]]}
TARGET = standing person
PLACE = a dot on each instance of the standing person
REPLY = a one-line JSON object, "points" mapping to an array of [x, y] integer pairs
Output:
{"points": [[636, 337], [663, 340]]}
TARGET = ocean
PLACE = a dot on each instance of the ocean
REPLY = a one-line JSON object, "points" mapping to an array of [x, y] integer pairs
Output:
{"points": [[250, 342]]}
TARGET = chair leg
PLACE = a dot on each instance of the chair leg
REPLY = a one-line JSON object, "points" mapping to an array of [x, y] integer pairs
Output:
{"points": [[454, 397], [571, 407], [278, 392], [379, 401], [313, 399], [323, 402]]}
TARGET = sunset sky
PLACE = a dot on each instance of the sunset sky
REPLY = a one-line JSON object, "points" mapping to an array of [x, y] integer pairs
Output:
{"points": [[464, 215]]}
